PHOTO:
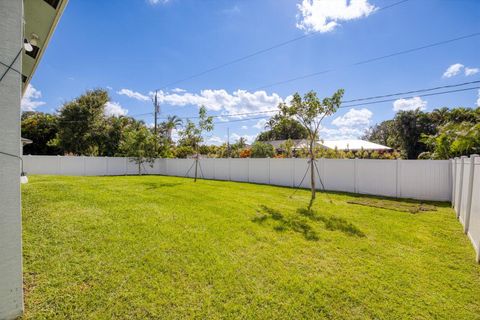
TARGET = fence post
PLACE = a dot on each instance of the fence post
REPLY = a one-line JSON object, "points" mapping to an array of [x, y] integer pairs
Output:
{"points": [[469, 194], [453, 164], [460, 189], [355, 177], [59, 165], [269, 172], [292, 171]]}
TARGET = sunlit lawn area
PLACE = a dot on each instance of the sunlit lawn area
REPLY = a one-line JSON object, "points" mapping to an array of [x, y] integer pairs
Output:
{"points": [[155, 247]]}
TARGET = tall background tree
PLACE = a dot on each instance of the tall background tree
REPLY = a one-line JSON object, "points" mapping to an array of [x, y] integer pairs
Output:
{"points": [[81, 124], [40, 128], [440, 134]]}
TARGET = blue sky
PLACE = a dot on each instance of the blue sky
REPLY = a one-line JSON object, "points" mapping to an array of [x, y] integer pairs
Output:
{"points": [[133, 47]]}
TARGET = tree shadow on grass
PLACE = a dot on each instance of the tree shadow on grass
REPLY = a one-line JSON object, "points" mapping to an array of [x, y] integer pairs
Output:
{"points": [[158, 185], [332, 223], [284, 223], [300, 222]]}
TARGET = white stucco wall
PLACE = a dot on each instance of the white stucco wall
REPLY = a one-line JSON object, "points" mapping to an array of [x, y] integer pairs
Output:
{"points": [[11, 295]]}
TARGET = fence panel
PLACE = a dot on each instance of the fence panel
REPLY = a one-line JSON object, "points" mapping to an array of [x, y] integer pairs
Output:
{"points": [[222, 169], [424, 179], [116, 166], [458, 184], [162, 166], [465, 191], [41, 164], [301, 170], [474, 225], [72, 166], [132, 167], [259, 171], [281, 172], [339, 174], [378, 177], [208, 168], [239, 170], [95, 166]]}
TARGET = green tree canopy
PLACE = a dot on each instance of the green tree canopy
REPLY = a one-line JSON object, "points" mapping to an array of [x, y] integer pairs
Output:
{"points": [[81, 124], [40, 128]]}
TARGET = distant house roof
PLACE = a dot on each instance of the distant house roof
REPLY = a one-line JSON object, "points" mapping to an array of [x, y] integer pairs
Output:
{"points": [[353, 144], [297, 143], [350, 144]]}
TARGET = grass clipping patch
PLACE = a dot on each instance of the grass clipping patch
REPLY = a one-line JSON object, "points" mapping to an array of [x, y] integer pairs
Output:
{"points": [[411, 207]]}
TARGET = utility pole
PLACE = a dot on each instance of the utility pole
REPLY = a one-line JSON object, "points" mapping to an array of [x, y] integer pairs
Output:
{"points": [[156, 111]]}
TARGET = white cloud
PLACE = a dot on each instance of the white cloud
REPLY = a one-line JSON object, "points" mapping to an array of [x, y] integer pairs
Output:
{"points": [[453, 70], [215, 140], [232, 10], [133, 94], [244, 128], [260, 124], [155, 2], [349, 126], [341, 133], [240, 101], [471, 71], [115, 109], [178, 90], [354, 117], [325, 15], [29, 99], [409, 104], [235, 136]]}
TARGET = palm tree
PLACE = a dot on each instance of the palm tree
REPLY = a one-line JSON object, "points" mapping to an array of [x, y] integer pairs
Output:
{"points": [[173, 122]]}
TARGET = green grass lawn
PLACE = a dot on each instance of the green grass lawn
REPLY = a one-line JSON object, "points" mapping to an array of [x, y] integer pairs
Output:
{"points": [[156, 247]]}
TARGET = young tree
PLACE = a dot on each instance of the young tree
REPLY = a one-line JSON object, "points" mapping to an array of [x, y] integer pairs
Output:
{"points": [[192, 135], [310, 112], [139, 145]]}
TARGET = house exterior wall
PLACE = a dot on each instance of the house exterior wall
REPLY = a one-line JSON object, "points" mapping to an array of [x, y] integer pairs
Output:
{"points": [[11, 293]]}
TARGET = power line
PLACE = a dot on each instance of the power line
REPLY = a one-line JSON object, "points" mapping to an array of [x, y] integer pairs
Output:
{"points": [[258, 52], [397, 95], [420, 95], [413, 91], [367, 61], [349, 101]]}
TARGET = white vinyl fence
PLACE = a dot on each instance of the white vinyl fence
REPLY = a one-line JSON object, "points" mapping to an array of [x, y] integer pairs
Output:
{"points": [[466, 196], [417, 179]]}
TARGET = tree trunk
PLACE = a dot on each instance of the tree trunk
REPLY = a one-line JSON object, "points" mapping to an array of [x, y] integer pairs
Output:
{"points": [[312, 175], [139, 168]]}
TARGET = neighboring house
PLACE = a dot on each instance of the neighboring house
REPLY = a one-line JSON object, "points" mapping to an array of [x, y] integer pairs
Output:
{"points": [[25, 30], [354, 145], [298, 144], [344, 145]]}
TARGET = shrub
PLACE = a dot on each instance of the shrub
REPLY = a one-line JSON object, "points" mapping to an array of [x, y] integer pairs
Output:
{"points": [[262, 150]]}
